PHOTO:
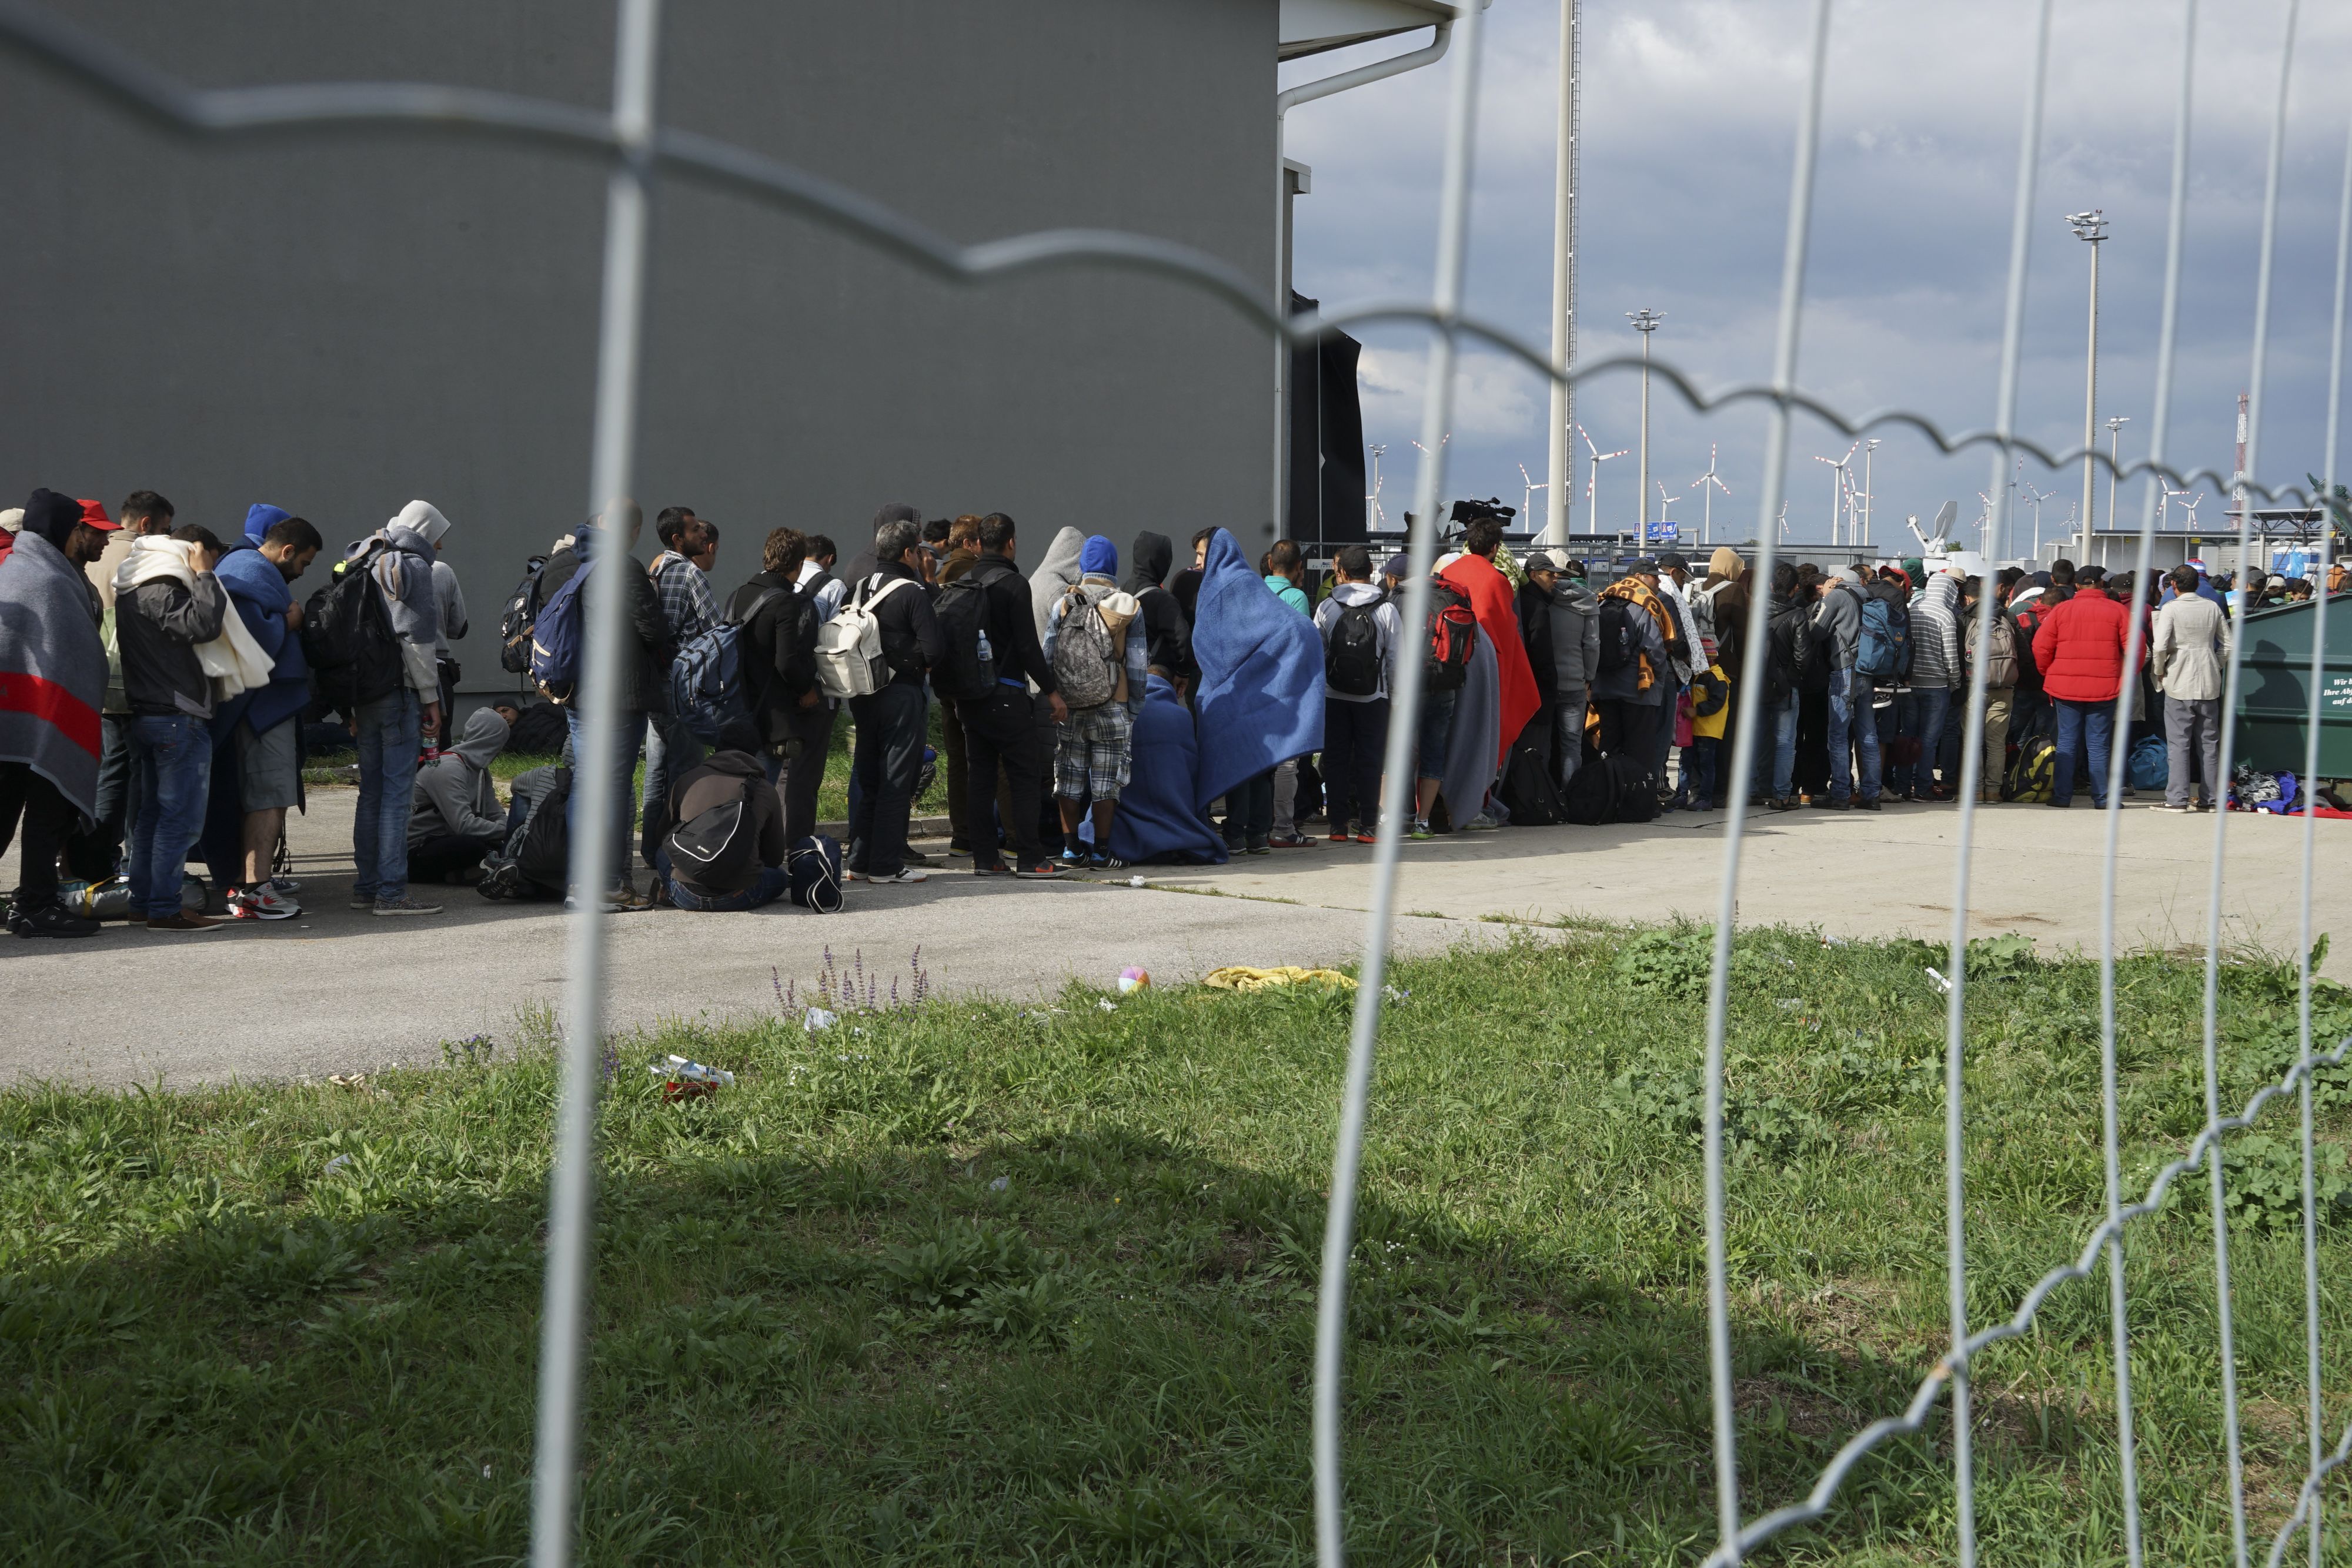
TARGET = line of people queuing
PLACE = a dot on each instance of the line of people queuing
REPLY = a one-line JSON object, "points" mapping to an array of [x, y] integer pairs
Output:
{"points": [[157, 681]]}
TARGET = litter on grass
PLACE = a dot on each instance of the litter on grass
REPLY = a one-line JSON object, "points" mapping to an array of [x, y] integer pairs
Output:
{"points": [[1133, 979], [1243, 978], [816, 1019], [1943, 987]]}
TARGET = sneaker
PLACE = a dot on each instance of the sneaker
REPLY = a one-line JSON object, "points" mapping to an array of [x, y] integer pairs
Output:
{"points": [[915, 857], [408, 905], [958, 852], [1785, 803], [1289, 841], [1868, 803], [1481, 823], [1367, 836], [1340, 835], [1263, 847], [51, 919], [1073, 858], [185, 925], [905, 874], [261, 901], [285, 885], [2176, 810], [1040, 870], [503, 881], [1098, 860], [364, 901], [1831, 803], [1420, 830]]}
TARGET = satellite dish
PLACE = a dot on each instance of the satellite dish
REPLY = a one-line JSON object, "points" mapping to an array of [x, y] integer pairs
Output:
{"points": [[1946, 515]]}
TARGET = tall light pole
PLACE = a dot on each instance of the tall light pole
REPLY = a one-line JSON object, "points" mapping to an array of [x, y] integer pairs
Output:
{"points": [[1563, 275], [1869, 496], [2114, 446], [2091, 229], [1646, 321]]}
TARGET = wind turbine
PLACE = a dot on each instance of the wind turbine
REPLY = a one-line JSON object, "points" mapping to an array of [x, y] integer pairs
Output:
{"points": [[1839, 466], [1784, 519], [2033, 498], [1373, 516], [1528, 501], [1706, 495], [1665, 501], [2189, 504], [1593, 479]]}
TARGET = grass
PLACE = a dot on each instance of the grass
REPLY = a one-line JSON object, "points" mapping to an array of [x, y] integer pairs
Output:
{"points": [[832, 795], [970, 1282]]}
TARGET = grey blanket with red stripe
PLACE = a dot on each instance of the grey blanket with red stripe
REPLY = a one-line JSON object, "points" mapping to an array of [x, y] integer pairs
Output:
{"points": [[52, 669]]}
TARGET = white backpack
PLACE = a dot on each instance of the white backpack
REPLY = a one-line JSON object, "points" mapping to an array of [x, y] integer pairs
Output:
{"points": [[849, 662]]}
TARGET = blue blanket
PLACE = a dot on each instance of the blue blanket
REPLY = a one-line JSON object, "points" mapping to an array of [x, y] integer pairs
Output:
{"points": [[1157, 819], [1260, 697]]}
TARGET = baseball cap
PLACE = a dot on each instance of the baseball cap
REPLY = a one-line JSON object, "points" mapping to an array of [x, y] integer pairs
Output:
{"points": [[94, 515]]}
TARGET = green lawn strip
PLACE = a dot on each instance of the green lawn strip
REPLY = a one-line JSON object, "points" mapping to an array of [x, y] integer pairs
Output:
{"points": [[976, 1283]]}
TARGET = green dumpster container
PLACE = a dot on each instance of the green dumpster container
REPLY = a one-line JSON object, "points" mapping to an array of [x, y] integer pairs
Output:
{"points": [[2274, 688]]}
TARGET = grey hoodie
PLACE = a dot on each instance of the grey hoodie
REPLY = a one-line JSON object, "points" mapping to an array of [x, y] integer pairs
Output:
{"points": [[1385, 626], [1058, 572], [404, 576], [1936, 634], [454, 794], [1837, 620], [1575, 635]]}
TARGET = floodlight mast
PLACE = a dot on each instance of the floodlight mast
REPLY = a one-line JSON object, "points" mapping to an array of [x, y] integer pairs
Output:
{"points": [[1558, 523], [2091, 229], [1646, 321], [2114, 446]]}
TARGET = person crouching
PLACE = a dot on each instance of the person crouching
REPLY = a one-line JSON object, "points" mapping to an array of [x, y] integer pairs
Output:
{"points": [[726, 851]]}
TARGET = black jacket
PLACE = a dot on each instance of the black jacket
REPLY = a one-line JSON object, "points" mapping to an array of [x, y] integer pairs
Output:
{"points": [[645, 651], [1010, 621], [158, 625], [714, 782], [911, 639], [1167, 628], [779, 649], [1789, 650]]}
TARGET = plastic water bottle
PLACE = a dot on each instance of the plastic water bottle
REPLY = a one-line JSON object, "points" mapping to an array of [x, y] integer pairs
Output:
{"points": [[987, 654]]}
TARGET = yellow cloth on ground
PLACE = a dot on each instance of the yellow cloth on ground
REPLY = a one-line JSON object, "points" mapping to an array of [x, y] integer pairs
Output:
{"points": [[1242, 978]]}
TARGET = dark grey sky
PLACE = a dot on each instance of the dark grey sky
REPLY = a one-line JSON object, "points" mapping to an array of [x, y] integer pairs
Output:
{"points": [[1689, 118]]}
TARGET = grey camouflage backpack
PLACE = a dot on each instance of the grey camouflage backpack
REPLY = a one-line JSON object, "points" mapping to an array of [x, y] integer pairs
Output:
{"points": [[1086, 665]]}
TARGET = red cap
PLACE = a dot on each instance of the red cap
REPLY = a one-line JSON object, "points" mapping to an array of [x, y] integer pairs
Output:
{"points": [[94, 515]]}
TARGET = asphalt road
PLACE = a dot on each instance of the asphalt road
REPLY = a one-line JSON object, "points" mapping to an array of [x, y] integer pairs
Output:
{"points": [[339, 991]]}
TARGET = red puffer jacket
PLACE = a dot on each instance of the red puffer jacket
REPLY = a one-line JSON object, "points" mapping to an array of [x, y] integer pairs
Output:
{"points": [[2080, 648]]}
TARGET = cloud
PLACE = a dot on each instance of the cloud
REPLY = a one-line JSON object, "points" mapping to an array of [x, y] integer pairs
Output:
{"points": [[1688, 132]]}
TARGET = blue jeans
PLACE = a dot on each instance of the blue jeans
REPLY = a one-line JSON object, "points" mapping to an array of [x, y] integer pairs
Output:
{"points": [[887, 760], [1776, 765], [391, 729], [1436, 732], [1854, 731], [2079, 723], [773, 880], [1935, 712], [671, 750], [174, 755], [622, 763]]}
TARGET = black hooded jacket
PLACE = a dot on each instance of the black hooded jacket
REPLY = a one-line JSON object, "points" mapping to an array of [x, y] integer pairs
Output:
{"points": [[1168, 632], [780, 639]]}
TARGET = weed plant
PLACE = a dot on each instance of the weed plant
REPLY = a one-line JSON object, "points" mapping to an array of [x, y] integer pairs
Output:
{"points": [[973, 1282]]}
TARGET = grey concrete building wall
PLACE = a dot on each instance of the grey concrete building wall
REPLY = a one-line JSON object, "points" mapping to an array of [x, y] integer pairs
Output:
{"points": [[339, 325]]}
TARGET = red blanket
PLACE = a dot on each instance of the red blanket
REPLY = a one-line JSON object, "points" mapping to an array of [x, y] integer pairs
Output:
{"points": [[1490, 600]]}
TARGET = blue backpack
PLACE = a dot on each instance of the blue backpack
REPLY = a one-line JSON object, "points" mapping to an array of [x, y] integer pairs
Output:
{"points": [[705, 679], [1885, 650], [555, 638]]}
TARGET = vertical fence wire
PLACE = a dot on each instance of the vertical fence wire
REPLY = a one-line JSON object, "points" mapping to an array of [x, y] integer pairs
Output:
{"points": [[2110, 1098], [2224, 1311], [571, 1198], [1346, 1155], [2316, 1415], [1956, 1254], [1793, 254]]}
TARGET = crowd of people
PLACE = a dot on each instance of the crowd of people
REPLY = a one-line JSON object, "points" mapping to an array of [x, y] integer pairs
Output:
{"points": [[160, 688]]}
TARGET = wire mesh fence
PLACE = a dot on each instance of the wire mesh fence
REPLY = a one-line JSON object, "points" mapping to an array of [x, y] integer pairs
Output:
{"points": [[640, 152]]}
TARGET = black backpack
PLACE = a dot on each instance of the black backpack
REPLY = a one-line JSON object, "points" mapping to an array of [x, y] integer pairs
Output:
{"points": [[347, 637], [544, 854], [1527, 789], [1637, 792], [1351, 653], [718, 849], [961, 610], [1621, 638], [1592, 796], [515, 621]]}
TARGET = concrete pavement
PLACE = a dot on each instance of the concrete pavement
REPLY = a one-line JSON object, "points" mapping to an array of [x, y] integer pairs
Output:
{"points": [[337, 990]]}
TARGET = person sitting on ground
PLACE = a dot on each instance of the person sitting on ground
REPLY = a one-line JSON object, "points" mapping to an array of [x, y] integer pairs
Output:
{"points": [[727, 850], [689, 608], [1100, 663], [456, 818], [1361, 630]]}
